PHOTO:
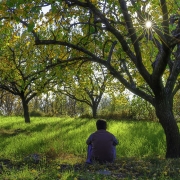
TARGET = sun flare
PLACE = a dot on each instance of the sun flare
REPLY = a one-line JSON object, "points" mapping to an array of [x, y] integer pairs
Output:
{"points": [[148, 24]]}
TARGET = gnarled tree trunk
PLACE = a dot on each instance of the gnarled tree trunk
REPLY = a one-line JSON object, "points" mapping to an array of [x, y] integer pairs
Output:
{"points": [[165, 114]]}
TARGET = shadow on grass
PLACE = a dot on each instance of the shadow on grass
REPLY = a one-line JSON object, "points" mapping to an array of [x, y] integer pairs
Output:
{"points": [[127, 168], [7, 132], [146, 135], [36, 143], [124, 168], [38, 127]]}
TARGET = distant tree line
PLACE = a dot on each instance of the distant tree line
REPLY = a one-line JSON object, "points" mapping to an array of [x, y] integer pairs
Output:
{"points": [[58, 105]]}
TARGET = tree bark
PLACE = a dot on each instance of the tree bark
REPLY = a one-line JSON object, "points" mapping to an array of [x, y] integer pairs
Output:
{"points": [[26, 110], [94, 110], [165, 114]]}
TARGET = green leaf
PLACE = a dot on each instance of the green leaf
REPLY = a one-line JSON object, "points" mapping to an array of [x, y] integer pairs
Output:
{"points": [[92, 30], [35, 9], [10, 3], [17, 19], [53, 8], [31, 26]]}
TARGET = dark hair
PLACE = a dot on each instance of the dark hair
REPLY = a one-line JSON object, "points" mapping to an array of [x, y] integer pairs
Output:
{"points": [[101, 124]]}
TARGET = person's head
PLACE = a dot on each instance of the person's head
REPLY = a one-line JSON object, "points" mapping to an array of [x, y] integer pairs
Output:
{"points": [[101, 124]]}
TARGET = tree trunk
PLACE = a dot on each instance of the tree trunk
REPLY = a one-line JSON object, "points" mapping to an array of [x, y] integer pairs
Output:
{"points": [[165, 114], [26, 110], [94, 111]]}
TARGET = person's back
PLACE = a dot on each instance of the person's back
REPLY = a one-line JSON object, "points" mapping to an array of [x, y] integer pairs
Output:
{"points": [[102, 144]]}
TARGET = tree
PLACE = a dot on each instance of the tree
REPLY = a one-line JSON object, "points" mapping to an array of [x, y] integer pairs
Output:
{"points": [[137, 41], [9, 104], [25, 72], [87, 85]]}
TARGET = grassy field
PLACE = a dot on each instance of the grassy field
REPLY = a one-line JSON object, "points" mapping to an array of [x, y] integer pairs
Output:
{"points": [[59, 144]]}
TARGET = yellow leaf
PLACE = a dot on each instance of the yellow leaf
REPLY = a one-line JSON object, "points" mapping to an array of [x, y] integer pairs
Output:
{"points": [[58, 175], [27, 43], [58, 167], [33, 171]]}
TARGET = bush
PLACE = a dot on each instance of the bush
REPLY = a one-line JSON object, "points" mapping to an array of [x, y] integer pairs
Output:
{"points": [[116, 115], [87, 116], [35, 113], [142, 110]]}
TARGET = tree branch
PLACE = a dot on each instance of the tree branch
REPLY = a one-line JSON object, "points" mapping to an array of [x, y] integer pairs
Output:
{"points": [[134, 38], [111, 51], [165, 22]]}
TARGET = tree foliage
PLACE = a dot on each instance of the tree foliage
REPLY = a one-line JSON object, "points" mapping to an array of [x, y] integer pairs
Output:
{"points": [[86, 84], [25, 70]]}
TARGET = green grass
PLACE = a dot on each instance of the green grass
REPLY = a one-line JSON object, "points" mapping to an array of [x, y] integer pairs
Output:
{"points": [[68, 135], [62, 141]]}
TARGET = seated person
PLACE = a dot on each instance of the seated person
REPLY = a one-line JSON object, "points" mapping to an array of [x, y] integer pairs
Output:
{"points": [[101, 144]]}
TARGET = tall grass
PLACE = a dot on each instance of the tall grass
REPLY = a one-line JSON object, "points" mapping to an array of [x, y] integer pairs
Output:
{"points": [[68, 136]]}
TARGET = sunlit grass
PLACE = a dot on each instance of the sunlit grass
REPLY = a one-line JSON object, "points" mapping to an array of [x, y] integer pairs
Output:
{"points": [[62, 140], [69, 135]]}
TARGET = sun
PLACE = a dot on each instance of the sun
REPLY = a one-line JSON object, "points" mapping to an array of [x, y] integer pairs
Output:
{"points": [[148, 24]]}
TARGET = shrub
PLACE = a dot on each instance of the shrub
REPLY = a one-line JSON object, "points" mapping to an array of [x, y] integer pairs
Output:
{"points": [[87, 116], [116, 115], [35, 113]]}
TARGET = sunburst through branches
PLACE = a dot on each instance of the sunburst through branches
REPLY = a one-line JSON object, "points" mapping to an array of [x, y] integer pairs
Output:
{"points": [[148, 24]]}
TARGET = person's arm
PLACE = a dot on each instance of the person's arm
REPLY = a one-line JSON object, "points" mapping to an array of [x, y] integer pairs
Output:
{"points": [[89, 140], [115, 141]]}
